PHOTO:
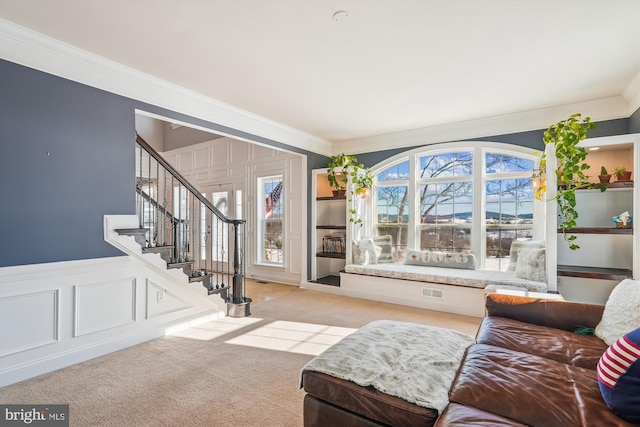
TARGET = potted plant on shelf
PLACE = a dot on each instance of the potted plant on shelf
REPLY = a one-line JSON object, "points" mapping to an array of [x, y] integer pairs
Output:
{"points": [[343, 170], [604, 176], [622, 174], [566, 135], [337, 173]]}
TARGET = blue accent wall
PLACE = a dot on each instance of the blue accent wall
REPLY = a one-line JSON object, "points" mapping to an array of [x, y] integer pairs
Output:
{"points": [[67, 159], [634, 122]]}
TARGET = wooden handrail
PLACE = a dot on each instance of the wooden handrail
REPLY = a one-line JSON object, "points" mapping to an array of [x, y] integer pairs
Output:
{"points": [[153, 153]]}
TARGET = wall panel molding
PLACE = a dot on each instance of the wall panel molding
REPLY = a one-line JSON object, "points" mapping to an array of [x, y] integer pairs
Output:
{"points": [[104, 305], [54, 315], [159, 306], [29, 321]]}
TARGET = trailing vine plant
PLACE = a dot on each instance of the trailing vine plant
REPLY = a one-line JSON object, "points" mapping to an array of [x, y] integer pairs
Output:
{"points": [[343, 170], [337, 170], [566, 135]]}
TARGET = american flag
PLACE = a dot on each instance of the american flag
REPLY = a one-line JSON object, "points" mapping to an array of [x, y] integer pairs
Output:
{"points": [[272, 199]]}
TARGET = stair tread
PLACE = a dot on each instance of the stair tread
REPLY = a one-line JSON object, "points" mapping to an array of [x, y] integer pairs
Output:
{"points": [[157, 247], [179, 264], [131, 230], [200, 278], [219, 290]]}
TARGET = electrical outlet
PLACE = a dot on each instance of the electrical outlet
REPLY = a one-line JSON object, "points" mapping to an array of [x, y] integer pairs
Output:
{"points": [[161, 296]]}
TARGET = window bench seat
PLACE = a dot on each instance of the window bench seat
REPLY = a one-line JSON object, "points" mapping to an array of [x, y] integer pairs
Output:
{"points": [[436, 288]]}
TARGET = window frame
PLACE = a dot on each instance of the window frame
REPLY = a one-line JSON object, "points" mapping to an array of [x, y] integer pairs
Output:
{"points": [[262, 220], [479, 178]]}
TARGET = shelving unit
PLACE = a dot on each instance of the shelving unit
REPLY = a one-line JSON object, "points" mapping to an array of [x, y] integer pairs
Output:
{"points": [[607, 255], [602, 273], [329, 218], [599, 230]]}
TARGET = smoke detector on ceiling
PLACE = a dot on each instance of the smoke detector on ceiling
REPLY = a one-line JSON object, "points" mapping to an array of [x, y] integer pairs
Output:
{"points": [[342, 16]]}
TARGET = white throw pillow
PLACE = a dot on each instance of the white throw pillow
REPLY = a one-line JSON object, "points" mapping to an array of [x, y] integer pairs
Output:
{"points": [[384, 243], [531, 264], [461, 260], [365, 252], [516, 245], [621, 312]]}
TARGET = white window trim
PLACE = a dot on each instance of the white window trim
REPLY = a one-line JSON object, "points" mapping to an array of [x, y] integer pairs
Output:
{"points": [[260, 204], [479, 178]]}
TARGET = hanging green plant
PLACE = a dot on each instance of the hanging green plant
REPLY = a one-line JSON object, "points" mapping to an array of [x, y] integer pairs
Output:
{"points": [[343, 170], [566, 135], [337, 170]]}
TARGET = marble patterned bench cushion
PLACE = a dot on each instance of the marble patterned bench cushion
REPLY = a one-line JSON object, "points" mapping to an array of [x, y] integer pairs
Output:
{"points": [[448, 276]]}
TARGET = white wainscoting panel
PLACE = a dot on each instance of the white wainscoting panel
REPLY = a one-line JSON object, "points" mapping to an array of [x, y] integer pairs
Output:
{"points": [[186, 161], [28, 321], [160, 301], [202, 158], [260, 152], [105, 305], [54, 315], [242, 163], [239, 151]]}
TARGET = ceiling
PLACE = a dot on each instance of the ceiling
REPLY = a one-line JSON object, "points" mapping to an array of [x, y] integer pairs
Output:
{"points": [[390, 66]]}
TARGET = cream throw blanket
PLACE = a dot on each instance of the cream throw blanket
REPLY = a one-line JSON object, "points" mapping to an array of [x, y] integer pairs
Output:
{"points": [[414, 362]]}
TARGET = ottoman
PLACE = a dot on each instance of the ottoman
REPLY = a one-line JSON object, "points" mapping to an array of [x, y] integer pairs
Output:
{"points": [[386, 373]]}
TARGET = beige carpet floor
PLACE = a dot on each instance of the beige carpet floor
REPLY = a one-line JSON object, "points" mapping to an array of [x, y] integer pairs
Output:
{"points": [[232, 372]]}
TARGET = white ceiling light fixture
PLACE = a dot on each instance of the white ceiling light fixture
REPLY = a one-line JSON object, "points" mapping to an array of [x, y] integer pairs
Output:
{"points": [[342, 16]]}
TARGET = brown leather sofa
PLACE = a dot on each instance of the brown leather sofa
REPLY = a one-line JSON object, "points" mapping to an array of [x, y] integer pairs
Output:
{"points": [[527, 367]]}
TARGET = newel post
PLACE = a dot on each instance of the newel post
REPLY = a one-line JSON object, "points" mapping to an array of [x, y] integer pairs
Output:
{"points": [[238, 305]]}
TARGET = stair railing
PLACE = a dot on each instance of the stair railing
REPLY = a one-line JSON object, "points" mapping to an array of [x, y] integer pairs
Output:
{"points": [[182, 222]]}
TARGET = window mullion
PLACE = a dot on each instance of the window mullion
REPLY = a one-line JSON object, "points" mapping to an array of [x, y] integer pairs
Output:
{"points": [[478, 240], [414, 205]]}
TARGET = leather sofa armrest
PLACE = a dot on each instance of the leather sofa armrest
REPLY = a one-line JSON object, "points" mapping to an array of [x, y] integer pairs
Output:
{"points": [[565, 315]]}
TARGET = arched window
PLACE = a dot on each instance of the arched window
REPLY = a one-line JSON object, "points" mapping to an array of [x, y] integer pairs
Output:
{"points": [[462, 197]]}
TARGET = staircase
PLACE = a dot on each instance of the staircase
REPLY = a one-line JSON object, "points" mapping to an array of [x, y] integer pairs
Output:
{"points": [[179, 224]]}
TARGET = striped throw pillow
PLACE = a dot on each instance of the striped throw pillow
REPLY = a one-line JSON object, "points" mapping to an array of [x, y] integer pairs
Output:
{"points": [[619, 376]]}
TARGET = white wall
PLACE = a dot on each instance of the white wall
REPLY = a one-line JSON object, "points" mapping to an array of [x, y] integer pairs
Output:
{"points": [[151, 130], [230, 161], [57, 314]]}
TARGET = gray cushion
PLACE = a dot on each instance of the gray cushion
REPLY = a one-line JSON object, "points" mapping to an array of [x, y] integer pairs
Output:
{"points": [[365, 252], [385, 252], [531, 264], [516, 245]]}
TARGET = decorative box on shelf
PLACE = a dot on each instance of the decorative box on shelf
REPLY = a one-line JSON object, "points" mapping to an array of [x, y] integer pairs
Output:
{"points": [[623, 220]]}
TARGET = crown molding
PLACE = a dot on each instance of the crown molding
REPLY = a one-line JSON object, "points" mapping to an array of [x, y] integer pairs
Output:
{"points": [[26, 47], [632, 93], [34, 50], [602, 109]]}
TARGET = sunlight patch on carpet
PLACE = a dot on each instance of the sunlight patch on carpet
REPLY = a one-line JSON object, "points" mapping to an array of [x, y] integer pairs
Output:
{"points": [[293, 337], [216, 328]]}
